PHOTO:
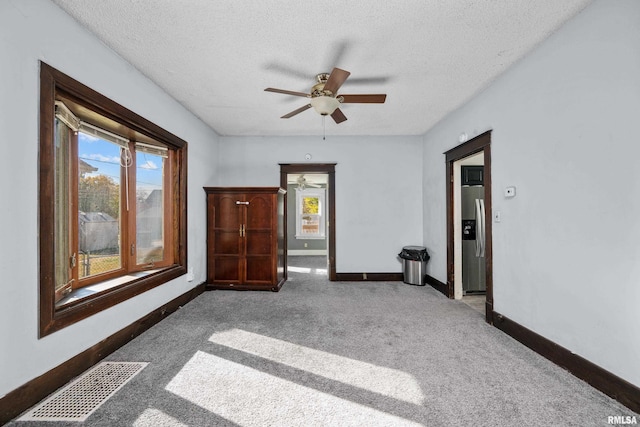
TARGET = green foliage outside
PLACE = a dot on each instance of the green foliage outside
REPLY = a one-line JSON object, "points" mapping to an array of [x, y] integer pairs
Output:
{"points": [[310, 205], [99, 193]]}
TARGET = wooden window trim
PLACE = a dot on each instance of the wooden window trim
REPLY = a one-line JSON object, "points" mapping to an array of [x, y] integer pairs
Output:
{"points": [[53, 82]]}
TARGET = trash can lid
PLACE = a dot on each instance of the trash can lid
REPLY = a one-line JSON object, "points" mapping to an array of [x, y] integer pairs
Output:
{"points": [[414, 253], [415, 248]]}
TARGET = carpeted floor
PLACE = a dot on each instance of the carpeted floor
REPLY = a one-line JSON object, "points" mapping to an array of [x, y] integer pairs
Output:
{"points": [[477, 302], [322, 353]]}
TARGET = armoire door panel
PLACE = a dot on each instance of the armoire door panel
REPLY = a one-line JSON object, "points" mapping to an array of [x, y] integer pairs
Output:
{"points": [[227, 212], [259, 242], [227, 242], [259, 269], [226, 269], [259, 212]]}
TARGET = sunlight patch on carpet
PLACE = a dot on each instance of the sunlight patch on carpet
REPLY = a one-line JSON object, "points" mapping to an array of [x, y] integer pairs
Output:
{"points": [[84, 395], [306, 270], [248, 397], [378, 379], [154, 418]]}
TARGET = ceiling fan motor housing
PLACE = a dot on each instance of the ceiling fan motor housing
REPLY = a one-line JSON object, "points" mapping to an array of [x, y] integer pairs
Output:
{"points": [[318, 90], [322, 77]]}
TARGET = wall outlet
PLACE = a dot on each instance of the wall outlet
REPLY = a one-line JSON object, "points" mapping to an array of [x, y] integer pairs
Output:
{"points": [[306, 245], [190, 276]]}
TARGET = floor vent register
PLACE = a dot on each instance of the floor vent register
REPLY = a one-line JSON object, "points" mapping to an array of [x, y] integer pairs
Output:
{"points": [[80, 398]]}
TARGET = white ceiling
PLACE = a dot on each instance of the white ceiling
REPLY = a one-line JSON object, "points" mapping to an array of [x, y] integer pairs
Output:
{"points": [[216, 57]]}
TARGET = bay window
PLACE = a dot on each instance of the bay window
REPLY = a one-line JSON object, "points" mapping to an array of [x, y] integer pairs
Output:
{"points": [[112, 202]]}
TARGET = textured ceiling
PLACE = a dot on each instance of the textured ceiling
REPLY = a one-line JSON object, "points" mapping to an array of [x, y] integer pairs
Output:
{"points": [[216, 57]]}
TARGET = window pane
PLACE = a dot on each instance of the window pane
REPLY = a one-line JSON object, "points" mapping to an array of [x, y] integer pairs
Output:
{"points": [[309, 213], [310, 224], [310, 205], [98, 205], [150, 208], [61, 213]]}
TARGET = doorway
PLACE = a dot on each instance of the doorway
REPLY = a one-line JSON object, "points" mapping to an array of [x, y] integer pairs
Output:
{"points": [[469, 242], [313, 183], [469, 283]]}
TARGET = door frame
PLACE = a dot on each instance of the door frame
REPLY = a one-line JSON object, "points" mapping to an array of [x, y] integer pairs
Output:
{"points": [[324, 168], [479, 144]]}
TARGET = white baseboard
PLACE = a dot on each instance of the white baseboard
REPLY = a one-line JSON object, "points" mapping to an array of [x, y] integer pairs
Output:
{"points": [[309, 252]]}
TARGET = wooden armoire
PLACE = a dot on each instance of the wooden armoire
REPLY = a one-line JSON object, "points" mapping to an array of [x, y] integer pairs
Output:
{"points": [[245, 238]]}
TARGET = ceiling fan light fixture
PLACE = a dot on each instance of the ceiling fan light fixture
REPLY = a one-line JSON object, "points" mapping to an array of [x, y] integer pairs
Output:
{"points": [[325, 105]]}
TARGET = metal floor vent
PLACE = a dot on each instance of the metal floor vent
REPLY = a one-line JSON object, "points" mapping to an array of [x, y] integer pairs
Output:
{"points": [[79, 399]]}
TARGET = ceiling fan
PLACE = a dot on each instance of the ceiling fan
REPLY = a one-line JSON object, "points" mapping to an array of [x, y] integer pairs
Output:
{"points": [[303, 183], [324, 96]]}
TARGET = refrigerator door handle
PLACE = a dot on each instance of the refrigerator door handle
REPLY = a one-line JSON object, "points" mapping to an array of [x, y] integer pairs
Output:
{"points": [[478, 228], [483, 230]]}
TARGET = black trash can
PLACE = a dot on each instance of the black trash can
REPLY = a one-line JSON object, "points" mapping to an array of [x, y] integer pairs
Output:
{"points": [[414, 264]]}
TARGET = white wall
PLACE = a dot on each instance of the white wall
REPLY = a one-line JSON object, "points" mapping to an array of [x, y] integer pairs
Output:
{"points": [[564, 123], [378, 189], [34, 30]]}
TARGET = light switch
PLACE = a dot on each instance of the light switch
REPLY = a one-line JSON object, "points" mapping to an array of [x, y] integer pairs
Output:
{"points": [[510, 192], [497, 217]]}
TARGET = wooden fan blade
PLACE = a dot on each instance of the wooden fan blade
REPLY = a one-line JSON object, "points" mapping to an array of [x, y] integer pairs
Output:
{"points": [[336, 79], [364, 99], [286, 92], [298, 111], [338, 116]]}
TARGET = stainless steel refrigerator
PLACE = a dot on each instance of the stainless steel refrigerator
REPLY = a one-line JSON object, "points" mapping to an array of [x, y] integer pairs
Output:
{"points": [[473, 239]]}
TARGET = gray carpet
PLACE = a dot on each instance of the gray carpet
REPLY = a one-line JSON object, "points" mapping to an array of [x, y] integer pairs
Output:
{"points": [[338, 354]]}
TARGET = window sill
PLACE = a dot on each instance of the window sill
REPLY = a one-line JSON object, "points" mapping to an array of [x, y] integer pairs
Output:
{"points": [[78, 295], [82, 303]]}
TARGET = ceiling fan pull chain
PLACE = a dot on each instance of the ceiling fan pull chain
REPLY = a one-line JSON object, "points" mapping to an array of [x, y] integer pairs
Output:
{"points": [[324, 128]]}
